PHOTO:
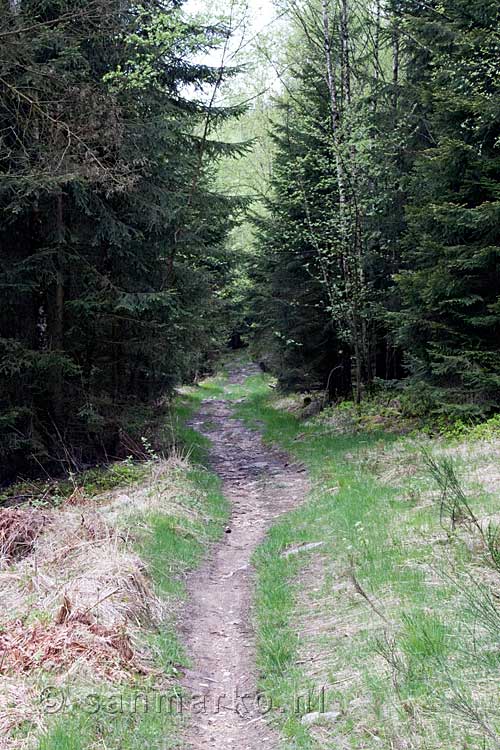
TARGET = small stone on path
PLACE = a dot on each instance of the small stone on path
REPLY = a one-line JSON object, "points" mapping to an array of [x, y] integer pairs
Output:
{"points": [[302, 548]]}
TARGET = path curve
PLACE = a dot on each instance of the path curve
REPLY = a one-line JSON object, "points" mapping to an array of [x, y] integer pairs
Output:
{"points": [[261, 484]]}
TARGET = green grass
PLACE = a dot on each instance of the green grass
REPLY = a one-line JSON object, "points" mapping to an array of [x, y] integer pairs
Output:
{"points": [[122, 719], [394, 666], [413, 660], [73, 734], [172, 545]]}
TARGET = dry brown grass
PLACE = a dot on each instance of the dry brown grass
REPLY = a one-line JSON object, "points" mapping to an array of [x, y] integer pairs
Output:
{"points": [[19, 530], [337, 631], [335, 625], [398, 464], [75, 599], [293, 403], [18, 704], [81, 557], [78, 644], [336, 614], [160, 492]]}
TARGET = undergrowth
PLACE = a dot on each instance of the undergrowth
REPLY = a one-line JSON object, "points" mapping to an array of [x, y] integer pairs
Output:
{"points": [[171, 435]]}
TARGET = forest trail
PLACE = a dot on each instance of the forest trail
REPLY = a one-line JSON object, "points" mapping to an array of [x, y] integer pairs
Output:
{"points": [[261, 484]]}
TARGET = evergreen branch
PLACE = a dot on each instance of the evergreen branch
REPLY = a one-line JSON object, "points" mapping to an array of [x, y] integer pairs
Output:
{"points": [[61, 125]]}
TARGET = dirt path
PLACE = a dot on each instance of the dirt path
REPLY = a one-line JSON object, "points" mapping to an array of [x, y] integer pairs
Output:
{"points": [[225, 711]]}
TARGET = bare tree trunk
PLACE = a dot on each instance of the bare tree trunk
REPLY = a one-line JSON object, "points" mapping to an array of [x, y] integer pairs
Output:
{"points": [[57, 336], [358, 376], [345, 56], [376, 53], [58, 330], [347, 237], [335, 116]]}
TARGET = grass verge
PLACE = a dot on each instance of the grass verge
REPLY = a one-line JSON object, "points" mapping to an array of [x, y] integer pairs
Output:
{"points": [[396, 613], [89, 653]]}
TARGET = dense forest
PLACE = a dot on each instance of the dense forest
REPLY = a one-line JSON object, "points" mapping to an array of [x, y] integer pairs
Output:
{"points": [[112, 230], [345, 220], [379, 251]]}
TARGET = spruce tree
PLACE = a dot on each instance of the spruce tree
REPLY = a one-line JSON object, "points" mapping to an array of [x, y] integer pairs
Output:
{"points": [[111, 231], [449, 285]]}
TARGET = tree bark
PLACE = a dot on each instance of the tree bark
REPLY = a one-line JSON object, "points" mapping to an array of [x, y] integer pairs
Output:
{"points": [[376, 53], [346, 61], [57, 334], [335, 116], [58, 330], [350, 237]]}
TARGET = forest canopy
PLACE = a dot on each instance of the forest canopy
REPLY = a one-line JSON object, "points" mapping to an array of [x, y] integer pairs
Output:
{"points": [[327, 189], [112, 231], [379, 250]]}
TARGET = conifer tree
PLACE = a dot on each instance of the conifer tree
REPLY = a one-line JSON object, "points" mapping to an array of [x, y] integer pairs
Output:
{"points": [[111, 232], [450, 326]]}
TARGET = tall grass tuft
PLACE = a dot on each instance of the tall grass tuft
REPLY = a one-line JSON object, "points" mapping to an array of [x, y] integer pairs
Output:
{"points": [[492, 539], [454, 504]]}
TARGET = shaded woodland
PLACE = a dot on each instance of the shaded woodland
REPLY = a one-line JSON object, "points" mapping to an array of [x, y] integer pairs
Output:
{"points": [[112, 232], [379, 250], [369, 259]]}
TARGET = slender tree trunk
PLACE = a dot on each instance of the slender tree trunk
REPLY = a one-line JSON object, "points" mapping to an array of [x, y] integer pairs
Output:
{"points": [[395, 62], [58, 331], [350, 245], [57, 337], [358, 376], [376, 53], [346, 57], [335, 116]]}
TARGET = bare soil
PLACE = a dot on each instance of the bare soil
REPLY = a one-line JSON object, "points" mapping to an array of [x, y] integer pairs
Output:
{"points": [[260, 482]]}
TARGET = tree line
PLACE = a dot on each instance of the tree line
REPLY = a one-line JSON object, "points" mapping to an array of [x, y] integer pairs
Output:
{"points": [[373, 253], [378, 252], [112, 227]]}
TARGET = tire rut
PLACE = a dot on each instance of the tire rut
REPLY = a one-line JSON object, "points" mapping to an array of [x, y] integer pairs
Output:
{"points": [[261, 484]]}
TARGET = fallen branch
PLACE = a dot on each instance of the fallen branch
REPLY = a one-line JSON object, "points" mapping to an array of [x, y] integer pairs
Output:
{"points": [[360, 590]]}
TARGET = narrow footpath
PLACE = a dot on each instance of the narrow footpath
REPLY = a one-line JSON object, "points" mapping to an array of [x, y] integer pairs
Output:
{"points": [[226, 710]]}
